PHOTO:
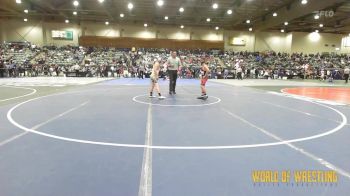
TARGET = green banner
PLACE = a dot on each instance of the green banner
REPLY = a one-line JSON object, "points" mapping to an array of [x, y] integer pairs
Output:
{"points": [[63, 35]]}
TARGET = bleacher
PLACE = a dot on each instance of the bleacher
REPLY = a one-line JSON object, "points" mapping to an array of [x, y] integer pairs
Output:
{"points": [[81, 62]]}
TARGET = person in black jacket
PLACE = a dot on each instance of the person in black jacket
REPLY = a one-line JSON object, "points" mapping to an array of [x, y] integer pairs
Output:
{"points": [[2, 69], [256, 73]]}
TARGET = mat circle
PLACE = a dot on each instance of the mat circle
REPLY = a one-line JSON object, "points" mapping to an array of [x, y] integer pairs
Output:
{"points": [[258, 145], [210, 101]]}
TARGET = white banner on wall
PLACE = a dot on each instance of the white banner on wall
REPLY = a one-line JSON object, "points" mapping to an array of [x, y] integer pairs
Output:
{"points": [[346, 41], [66, 35], [237, 41]]}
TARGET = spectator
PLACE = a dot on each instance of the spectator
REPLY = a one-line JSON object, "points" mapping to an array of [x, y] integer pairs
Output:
{"points": [[346, 74], [239, 73], [2, 69]]}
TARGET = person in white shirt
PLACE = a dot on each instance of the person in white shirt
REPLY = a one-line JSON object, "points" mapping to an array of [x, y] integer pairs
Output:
{"points": [[346, 74], [323, 75], [237, 64], [239, 73]]}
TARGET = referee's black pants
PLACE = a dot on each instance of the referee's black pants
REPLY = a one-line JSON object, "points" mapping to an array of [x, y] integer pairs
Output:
{"points": [[346, 77], [173, 78]]}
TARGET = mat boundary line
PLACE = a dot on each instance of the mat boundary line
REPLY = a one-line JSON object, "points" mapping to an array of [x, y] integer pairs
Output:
{"points": [[334, 130]]}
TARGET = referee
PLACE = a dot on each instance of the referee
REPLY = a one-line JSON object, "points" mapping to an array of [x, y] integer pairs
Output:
{"points": [[173, 64]]}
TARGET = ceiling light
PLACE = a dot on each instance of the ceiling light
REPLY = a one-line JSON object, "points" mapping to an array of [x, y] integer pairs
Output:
{"points": [[75, 3], [181, 9], [286, 23], [229, 12], [321, 25], [274, 14], [25, 20], [215, 6], [75, 13], [121, 15], [130, 6], [145, 25], [304, 2], [26, 11], [107, 23], [317, 17], [250, 29], [101, 1], [282, 30], [182, 26], [66, 21], [217, 28], [247, 21], [337, 49], [208, 19], [316, 31], [18, 1], [166, 17], [160, 3]]}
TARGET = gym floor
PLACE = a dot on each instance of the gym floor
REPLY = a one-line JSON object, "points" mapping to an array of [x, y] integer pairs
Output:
{"points": [[106, 137]]}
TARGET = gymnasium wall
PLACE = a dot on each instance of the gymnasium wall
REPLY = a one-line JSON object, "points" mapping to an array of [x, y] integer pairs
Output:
{"points": [[260, 41], [311, 42], [47, 30], [40, 33], [21, 31], [130, 42], [280, 42], [36, 32], [247, 36], [345, 48], [161, 32], [173, 33]]}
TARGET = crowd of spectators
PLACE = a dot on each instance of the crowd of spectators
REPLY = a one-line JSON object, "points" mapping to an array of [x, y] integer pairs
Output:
{"points": [[25, 59]]}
